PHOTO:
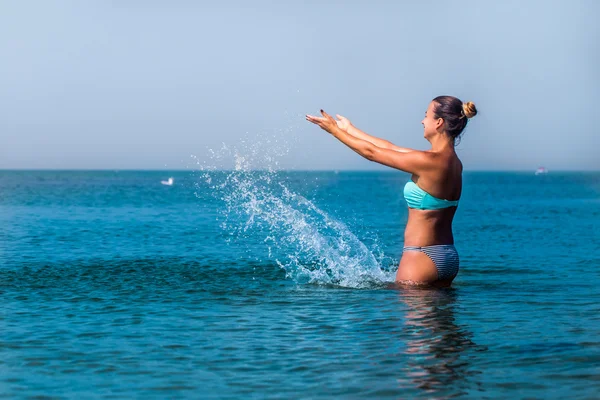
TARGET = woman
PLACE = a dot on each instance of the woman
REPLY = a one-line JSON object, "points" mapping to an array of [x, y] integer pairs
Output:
{"points": [[432, 194]]}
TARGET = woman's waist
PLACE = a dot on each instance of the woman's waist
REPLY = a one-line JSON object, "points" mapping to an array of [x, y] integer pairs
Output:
{"points": [[427, 234]]}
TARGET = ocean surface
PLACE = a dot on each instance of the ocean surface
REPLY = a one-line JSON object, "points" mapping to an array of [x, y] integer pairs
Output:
{"points": [[265, 284]]}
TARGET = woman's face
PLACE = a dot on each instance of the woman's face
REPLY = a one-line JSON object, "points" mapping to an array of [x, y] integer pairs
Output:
{"points": [[431, 124]]}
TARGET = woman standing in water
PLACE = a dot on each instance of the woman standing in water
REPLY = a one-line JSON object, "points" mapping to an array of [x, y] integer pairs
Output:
{"points": [[432, 194]]}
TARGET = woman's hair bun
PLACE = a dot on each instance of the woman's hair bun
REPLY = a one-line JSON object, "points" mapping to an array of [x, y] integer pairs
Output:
{"points": [[469, 109]]}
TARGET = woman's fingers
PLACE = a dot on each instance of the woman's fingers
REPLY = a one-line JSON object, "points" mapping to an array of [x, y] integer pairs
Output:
{"points": [[328, 117], [325, 116], [314, 120], [325, 122]]}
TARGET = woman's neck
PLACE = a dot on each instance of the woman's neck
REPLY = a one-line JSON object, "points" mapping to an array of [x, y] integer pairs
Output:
{"points": [[441, 143]]}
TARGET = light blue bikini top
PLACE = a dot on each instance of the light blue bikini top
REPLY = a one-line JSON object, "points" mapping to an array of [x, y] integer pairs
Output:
{"points": [[421, 200]]}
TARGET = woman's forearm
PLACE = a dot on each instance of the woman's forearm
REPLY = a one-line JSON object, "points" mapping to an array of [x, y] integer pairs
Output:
{"points": [[363, 147], [384, 144]]}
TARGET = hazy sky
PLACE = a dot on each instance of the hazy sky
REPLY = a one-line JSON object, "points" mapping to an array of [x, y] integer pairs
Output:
{"points": [[145, 84]]}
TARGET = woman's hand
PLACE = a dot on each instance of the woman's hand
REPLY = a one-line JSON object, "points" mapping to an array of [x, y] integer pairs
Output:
{"points": [[343, 123], [326, 122]]}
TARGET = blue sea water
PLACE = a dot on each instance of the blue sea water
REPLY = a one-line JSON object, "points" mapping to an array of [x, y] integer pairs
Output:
{"points": [[265, 284]]}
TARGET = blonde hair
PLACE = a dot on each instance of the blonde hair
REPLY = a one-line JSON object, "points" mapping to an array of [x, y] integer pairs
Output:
{"points": [[469, 110]]}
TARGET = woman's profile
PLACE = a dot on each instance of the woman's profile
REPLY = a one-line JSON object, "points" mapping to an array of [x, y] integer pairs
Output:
{"points": [[432, 194]]}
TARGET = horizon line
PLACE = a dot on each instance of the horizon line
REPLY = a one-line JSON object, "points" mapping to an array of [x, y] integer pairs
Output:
{"points": [[262, 169]]}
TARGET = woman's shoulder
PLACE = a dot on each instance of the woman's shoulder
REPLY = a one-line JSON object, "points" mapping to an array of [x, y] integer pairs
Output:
{"points": [[444, 168], [445, 161]]}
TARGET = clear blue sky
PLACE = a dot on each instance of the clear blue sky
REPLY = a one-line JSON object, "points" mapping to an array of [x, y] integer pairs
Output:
{"points": [[145, 84]]}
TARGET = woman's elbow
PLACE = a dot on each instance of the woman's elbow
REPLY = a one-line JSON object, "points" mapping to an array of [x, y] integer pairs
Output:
{"points": [[369, 153]]}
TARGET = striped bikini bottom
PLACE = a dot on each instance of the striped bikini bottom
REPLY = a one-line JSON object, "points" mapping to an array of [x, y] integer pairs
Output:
{"points": [[444, 257]]}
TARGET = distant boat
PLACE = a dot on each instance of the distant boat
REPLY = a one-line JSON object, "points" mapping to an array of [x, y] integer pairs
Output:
{"points": [[541, 170], [168, 182]]}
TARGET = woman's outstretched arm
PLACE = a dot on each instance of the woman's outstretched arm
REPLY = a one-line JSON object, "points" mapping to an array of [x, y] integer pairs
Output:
{"points": [[345, 125], [413, 162]]}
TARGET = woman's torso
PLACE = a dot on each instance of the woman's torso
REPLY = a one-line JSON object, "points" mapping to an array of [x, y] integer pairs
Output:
{"points": [[429, 227]]}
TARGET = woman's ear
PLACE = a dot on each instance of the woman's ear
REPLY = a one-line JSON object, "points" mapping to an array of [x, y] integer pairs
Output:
{"points": [[439, 123]]}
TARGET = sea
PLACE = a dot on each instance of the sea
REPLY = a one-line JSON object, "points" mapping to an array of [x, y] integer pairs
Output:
{"points": [[270, 284]]}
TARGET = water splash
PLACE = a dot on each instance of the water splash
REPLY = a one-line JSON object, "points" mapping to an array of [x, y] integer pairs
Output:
{"points": [[310, 245]]}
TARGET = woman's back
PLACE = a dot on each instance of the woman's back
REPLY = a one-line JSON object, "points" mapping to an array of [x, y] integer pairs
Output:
{"points": [[427, 227]]}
